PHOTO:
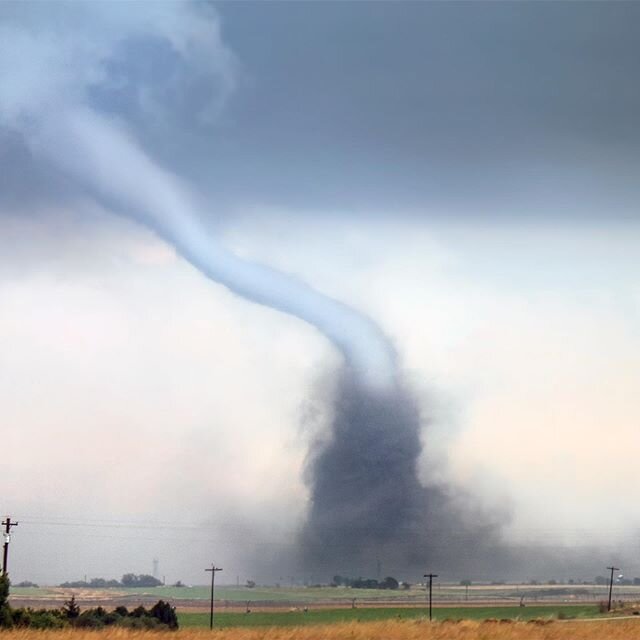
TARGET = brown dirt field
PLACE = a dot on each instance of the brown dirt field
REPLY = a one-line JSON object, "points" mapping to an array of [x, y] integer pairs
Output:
{"points": [[390, 630]]}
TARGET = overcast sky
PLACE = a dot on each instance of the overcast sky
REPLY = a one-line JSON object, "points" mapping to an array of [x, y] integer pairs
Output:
{"points": [[464, 174]]}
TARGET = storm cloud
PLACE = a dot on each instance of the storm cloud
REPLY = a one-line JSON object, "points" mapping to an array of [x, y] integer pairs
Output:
{"points": [[206, 124]]}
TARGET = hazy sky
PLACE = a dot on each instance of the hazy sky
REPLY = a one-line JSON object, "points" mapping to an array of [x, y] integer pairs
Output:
{"points": [[464, 174]]}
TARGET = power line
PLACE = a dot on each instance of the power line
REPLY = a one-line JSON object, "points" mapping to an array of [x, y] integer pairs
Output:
{"points": [[543, 532]]}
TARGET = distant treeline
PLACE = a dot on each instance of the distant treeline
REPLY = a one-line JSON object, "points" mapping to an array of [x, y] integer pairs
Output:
{"points": [[161, 616], [367, 583], [128, 580]]}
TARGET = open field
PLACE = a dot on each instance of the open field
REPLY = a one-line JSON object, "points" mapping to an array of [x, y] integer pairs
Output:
{"points": [[230, 597], [335, 616], [389, 630]]}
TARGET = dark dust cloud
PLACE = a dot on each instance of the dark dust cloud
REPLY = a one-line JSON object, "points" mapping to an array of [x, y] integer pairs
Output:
{"points": [[368, 504]]}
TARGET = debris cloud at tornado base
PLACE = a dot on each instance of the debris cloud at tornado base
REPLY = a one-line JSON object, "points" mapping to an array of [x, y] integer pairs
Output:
{"points": [[369, 505]]}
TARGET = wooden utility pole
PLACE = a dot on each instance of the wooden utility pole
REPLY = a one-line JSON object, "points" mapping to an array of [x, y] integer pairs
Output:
{"points": [[612, 569], [431, 576], [213, 582], [7, 537]]}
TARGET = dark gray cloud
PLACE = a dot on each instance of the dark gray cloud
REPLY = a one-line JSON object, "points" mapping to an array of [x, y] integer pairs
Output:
{"points": [[449, 109], [474, 107]]}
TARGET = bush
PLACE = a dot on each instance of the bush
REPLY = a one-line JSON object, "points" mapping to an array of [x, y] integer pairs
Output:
{"points": [[37, 618], [165, 613], [89, 620], [43, 619], [4, 590], [139, 612], [6, 617], [161, 616]]}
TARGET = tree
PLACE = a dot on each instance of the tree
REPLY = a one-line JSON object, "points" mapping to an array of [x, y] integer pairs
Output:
{"points": [[389, 583], [4, 590], [365, 583], [128, 580], [71, 609], [6, 619], [143, 580]]}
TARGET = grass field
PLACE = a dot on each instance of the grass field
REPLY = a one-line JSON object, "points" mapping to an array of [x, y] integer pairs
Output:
{"points": [[332, 616], [31, 592], [388, 630]]}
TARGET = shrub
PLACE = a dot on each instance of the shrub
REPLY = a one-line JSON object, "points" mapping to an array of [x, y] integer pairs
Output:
{"points": [[4, 590], [43, 619], [37, 618], [6, 618], [139, 612], [161, 616], [165, 613], [88, 620]]}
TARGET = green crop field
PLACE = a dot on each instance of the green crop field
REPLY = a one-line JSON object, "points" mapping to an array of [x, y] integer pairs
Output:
{"points": [[31, 592], [327, 616]]}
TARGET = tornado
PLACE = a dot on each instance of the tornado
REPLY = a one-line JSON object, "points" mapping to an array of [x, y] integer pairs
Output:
{"points": [[363, 480], [365, 497]]}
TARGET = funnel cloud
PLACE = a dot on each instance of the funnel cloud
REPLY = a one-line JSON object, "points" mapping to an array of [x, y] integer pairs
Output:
{"points": [[173, 138]]}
